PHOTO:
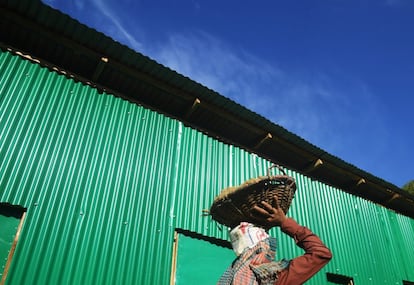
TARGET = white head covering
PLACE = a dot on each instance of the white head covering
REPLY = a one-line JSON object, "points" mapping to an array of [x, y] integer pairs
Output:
{"points": [[246, 236]]}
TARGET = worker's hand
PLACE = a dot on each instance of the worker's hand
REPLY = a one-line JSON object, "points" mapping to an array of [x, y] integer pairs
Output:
{"points": [[274, 216]]}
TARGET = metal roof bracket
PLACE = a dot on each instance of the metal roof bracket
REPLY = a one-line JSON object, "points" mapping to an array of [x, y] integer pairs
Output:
{"points": [[266, 138], [313, 165], [193, 107], [99, 68]]}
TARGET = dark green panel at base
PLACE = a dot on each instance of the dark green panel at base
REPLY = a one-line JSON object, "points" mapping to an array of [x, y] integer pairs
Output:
{"points": [[200, 262]]}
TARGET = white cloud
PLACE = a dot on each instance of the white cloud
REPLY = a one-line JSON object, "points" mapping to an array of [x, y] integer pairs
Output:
{"points": [[210, 62], [80, 5], [114, 26], [107, 18], [316, 106], [49, 2]]}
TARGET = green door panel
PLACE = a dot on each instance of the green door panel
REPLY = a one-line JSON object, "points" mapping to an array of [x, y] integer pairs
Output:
{"points": [[200, 262]]}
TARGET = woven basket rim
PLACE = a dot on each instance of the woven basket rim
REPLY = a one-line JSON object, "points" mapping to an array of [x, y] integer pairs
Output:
{"points": [[225, 192], [225, 203]]}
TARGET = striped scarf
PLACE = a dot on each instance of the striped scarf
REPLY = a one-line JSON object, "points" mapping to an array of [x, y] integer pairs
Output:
{"points": [[255, 264]]}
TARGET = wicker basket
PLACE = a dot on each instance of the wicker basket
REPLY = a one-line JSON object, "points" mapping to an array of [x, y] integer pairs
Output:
{"points": [[234, 204]]}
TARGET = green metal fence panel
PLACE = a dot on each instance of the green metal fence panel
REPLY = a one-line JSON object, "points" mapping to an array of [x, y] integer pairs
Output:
{"points": [[106, 182]]}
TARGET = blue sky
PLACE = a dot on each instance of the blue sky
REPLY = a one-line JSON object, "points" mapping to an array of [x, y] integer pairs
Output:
{"points": [[338, 73]]}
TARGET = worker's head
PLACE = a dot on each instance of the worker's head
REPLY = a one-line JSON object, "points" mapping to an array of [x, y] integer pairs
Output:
{"points": [[245, 236]]}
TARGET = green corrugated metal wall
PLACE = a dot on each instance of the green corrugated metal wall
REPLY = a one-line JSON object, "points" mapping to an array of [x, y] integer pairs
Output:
{"points": [[105, 183]]}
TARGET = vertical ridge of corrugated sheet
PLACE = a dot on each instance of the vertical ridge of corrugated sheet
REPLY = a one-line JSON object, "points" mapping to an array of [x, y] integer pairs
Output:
{"points": [[105, 183]]}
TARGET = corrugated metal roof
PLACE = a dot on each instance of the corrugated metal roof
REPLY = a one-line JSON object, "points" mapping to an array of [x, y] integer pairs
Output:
{"points": [[60, 41]]}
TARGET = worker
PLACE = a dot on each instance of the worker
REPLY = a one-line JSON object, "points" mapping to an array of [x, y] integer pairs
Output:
{"points": [[256, 251]]}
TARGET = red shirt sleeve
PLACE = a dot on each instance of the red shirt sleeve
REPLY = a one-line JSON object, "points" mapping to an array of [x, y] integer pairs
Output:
{"points": [[316, 255]]}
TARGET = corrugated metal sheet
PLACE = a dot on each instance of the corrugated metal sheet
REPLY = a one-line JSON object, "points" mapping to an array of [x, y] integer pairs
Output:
{"points": [[93, 171], [105, 183]]}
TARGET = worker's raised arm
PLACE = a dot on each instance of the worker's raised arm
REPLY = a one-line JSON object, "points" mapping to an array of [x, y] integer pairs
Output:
{"points": [[303, 267], [316, 255]]}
